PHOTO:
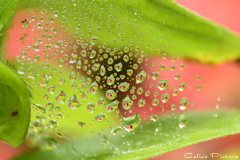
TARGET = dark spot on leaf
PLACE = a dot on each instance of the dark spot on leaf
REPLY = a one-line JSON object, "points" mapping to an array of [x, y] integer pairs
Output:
{"points": [[14, 113]]}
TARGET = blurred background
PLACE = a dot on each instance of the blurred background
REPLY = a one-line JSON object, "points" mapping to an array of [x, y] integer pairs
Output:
{"points": [[220, 84]]}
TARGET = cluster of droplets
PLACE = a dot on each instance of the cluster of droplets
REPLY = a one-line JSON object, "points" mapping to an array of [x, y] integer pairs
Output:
{"points": [[118, 77]]}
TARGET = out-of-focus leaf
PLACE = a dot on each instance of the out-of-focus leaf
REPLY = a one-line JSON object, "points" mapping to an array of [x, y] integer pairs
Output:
{"points": [[14, 107], [145, 141], [6, 8]]}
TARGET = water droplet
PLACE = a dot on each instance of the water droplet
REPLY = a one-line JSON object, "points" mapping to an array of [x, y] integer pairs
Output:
{"points": [[140, 77], [183, 104], [83, 53], [59, 115], [182, 120], [173, 107], [155, 102], [154, 117], [162, 67], [131, 123], [177, 76], [96, 67], [124, 86], [51, 89], [44, 80], [113, 106], [158, 129], [197, 77], [94, 40], [147, 93], [182, 86], [73, 58], [36, 47], [61, 97], [100, 117], [127, 103], [181, 66], [37, 126], [73, 102], [94, 88], [129, 72], [172, 67], [163, 84], [165, 98], [57, 108], [155, 75], [175, 92], [198, 87], [101, 102], [72, 77], [141, 103], [102, 71], [118, 67], [139, 90], [116, 130], [111, 80], [45, 97], [60, 62], [91, 107], [111, 94], [52, 124], [125, 58], [62, 80], [49, 105], [39, 108], [21, 70], [81, 124]]}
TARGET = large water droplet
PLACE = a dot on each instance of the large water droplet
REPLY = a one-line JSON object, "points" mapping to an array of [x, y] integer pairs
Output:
{"points": [[182, 120], [73, 102], [91, 107], [100, 117], [124, 86], [163, 84], [37, 126], [111, 94], [155, 75], [140, 77], [183, 104], [113, 106], [94, 88], [111, 80], [131, 123], [116, 130], [127, 103], [165, 98], [141, 103], [61, 97]]}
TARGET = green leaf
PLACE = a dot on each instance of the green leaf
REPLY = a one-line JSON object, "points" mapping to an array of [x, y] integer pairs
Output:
{"points": [[162, 24], [14, 107], [6, 8], [144, 142]]}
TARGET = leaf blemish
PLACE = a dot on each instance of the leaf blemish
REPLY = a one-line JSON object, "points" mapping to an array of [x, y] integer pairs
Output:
{"points": [[14, 113]]}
